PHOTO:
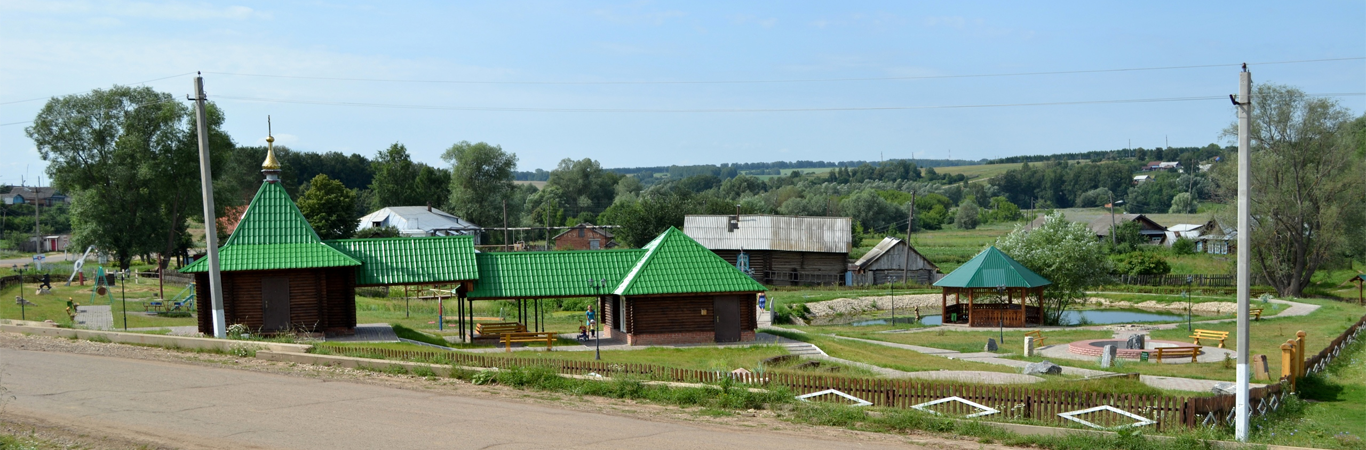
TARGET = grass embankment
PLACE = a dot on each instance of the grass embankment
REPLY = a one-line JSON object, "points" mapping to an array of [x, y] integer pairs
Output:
{"points": [[693, 358], [975, 341], [1331, 409]]}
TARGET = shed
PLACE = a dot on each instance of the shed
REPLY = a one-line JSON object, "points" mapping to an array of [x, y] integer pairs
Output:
{"points": [[992, 282], [778, 250], [672, 291], [585, 236], [891, 261], [1152, 231]]}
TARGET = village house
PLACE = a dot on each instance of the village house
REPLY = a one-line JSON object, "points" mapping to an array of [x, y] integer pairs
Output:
{"points": [[415, 221], [584, 236], [778, 250], [27, 195]]}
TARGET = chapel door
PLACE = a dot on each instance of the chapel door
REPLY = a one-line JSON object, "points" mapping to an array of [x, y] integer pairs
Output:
{"points": [[275, 302]]}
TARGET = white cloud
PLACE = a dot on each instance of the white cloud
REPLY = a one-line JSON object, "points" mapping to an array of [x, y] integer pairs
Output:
{"points": [[169, 10]]}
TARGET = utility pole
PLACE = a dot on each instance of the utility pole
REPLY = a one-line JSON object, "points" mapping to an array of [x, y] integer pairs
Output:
{"points": [[910, 225], [505, 226], [1244, 104], [38, 225], [210, 223], [1113, 240]]}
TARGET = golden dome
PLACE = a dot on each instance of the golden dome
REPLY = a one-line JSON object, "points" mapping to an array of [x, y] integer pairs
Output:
{"points": [[271, 163]]}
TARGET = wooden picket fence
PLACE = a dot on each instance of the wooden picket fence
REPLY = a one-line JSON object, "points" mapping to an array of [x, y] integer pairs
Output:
{"points": [[1178, 280]]}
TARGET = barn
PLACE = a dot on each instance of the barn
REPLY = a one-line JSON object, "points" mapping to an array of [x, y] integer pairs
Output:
{"points": [[778, 250], [893, 261]]}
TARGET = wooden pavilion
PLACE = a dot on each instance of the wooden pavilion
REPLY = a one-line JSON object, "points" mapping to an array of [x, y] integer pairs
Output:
{"points": [[992, 282]]}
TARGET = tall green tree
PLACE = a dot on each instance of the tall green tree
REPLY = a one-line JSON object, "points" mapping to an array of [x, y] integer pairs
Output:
{"points": [[128, 159], [394, 182], [329, 207], [1306, 185], [480, 182], [1066, 253], [589, 187]]}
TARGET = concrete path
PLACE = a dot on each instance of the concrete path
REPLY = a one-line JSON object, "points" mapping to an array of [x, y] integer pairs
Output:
{"points": [[95, 317], [367, 332], [192, 406]]}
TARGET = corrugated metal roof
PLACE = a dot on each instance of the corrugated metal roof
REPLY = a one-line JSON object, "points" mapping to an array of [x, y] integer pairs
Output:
{"points": [[272, 235], [551, 274], [767, 232], [415, 220], [992, 268], [676, 264], [401, 260]]}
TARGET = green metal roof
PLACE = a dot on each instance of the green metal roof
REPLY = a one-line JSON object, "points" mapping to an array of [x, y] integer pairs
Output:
{"points": [[273, 235], [989, 269], [551, 274], [676, 264], [410, 260]]}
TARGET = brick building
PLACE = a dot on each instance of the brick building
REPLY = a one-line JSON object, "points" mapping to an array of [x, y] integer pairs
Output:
{"points": [[585, 236]]}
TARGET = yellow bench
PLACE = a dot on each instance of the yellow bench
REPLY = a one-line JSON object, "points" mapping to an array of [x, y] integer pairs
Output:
{"points": [[509, 338], [1177, 351], [1256, 313], [496, 328], [1210, 334], [1038, 337]]}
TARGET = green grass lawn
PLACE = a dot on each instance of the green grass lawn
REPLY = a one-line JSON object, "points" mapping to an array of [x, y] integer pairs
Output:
{"points": [[891, 358], [951, 247], [974, 341], [1332, 413], [53, 307]]}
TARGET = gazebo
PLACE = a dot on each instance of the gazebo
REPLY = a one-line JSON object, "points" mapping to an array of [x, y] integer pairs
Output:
{"points": [[1360, 280], [992, 282]]}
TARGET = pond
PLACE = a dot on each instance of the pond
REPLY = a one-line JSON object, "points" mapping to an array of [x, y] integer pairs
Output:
{"points": [[1090, 316]]}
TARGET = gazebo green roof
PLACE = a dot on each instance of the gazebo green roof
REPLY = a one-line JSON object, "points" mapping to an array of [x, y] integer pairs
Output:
{"points": [[992, 268], [551, 274], [676, 264], [273, 235], [410, 260]]}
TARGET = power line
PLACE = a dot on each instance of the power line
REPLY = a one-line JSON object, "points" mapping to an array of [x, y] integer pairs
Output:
{"points": [[739, 110], [133, 106], [796, 80], [74, 93]]}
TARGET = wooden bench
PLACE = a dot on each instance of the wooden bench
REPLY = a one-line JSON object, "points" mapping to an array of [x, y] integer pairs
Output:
{"points": [[496, 328], [1210, 334], [509, 338], [1038, 337], [1256, 313], [1177, 351]]}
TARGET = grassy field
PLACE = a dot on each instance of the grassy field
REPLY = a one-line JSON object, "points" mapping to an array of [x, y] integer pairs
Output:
{"points": [[53, 307], [888, 357], [951, 247], [974, 341]]}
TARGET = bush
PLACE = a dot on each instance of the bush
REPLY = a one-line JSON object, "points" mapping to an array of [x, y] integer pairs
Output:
{"points": [[1141, 263], [1183, 246]]}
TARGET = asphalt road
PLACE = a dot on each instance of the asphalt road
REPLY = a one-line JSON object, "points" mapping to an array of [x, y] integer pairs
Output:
{"points": [[194, 406]]}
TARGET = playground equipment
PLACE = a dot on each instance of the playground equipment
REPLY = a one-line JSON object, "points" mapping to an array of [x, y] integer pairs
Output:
{"points": [[101, 287], [183, 300], [76, 267]]}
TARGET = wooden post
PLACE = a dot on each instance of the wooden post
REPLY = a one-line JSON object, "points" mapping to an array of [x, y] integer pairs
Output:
{"points": [[1299, 354], [1288, 362], [970, 300], [944, 306]]}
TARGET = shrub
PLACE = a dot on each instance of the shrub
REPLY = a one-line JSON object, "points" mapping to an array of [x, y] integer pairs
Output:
{"points": [[1183, 246], [1142, 263]]}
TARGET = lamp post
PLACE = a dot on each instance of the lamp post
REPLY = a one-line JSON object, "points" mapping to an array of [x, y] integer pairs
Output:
{"points": [[1187, 293], [23, 315], [597, 330], [1114, 240], [123, 292]]}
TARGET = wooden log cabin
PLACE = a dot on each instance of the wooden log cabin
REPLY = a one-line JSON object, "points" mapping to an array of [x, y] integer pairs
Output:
{"points": [[893, 261], [778, 250]]}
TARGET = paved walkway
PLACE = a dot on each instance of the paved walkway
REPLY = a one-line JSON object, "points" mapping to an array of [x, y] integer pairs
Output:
{"points": [[95, 317], [367, 332]]}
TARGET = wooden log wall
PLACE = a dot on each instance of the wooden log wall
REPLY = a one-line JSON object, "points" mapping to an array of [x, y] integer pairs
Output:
{"points": [[319, 299]]}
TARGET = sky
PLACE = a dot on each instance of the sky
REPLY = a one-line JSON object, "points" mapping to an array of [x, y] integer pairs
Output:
{"points": [[643, 83]]}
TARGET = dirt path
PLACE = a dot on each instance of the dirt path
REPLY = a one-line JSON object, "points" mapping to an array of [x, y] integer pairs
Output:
{"points": [[163, 399]]}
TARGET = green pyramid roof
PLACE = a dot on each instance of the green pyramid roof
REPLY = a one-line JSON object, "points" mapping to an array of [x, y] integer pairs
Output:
{"points": [[676, 264], [989, 269], [273, 235], [410, 260], [551, 274]]}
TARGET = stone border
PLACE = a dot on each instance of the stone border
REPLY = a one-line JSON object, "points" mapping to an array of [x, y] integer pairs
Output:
{"points": [[182, 342]]}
